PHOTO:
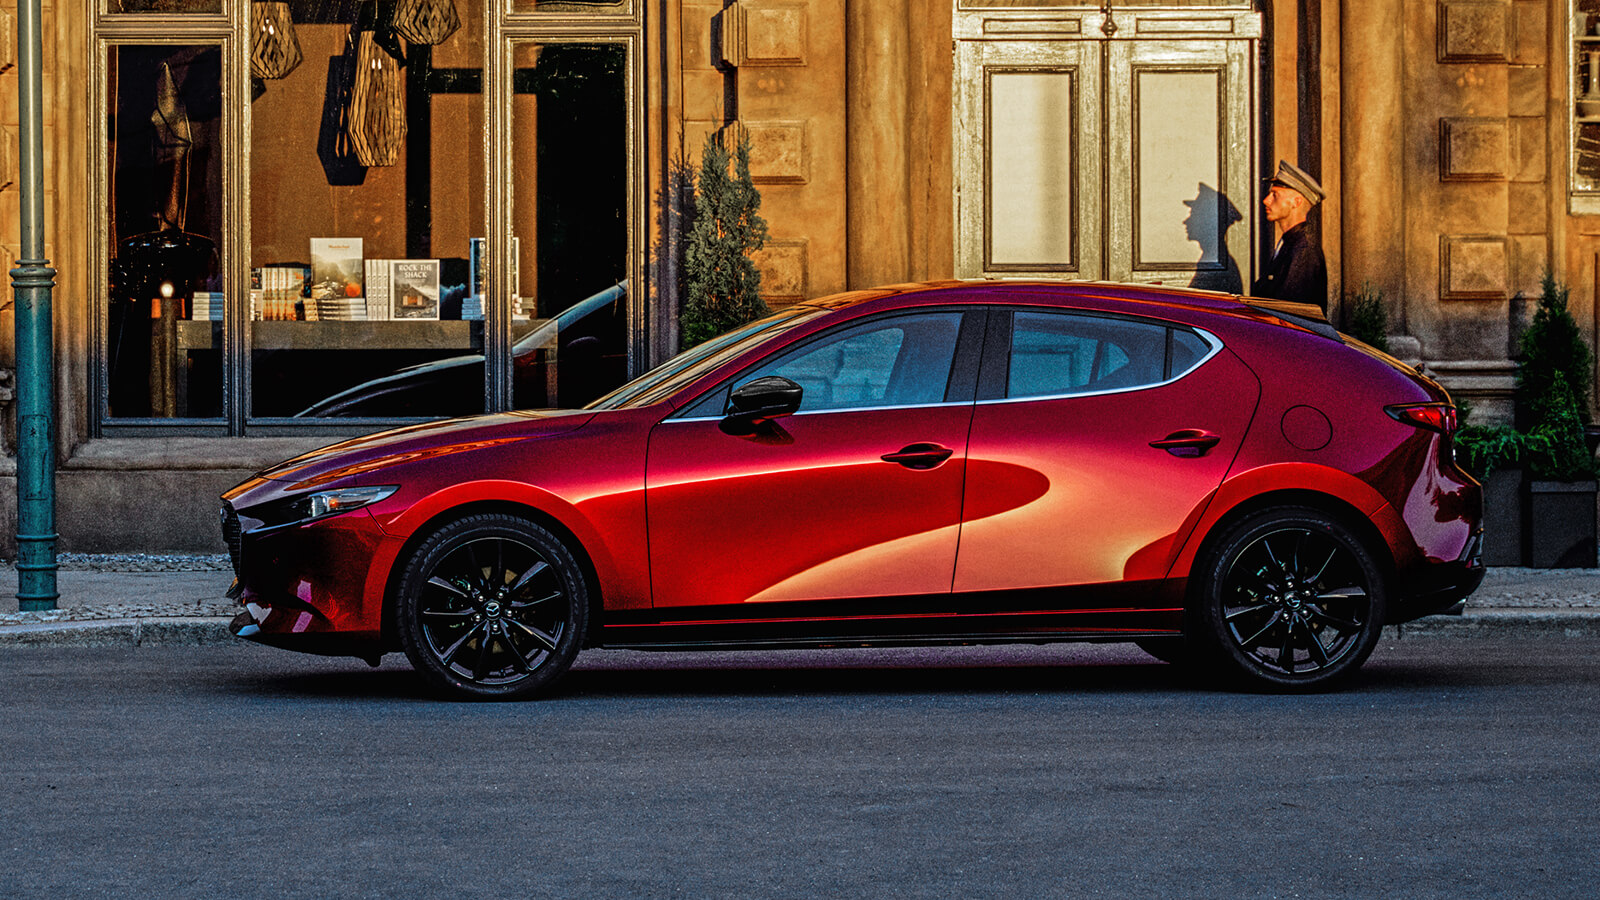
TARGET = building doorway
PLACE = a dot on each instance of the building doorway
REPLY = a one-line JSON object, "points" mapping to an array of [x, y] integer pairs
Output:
{"points": [[1113, 144]]}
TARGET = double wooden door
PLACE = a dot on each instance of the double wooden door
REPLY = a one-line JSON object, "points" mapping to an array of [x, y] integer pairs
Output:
{"points": [[1115, 147]]}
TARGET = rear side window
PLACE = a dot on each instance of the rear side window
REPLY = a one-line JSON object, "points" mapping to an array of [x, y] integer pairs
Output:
{"points": [[1061, 354]]}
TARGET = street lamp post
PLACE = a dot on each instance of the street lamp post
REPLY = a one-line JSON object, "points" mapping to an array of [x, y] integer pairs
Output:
{"points": [[32, 281]]}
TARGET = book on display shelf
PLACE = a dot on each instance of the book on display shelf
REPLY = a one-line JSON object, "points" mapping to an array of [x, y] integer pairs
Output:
{"points": [[206, 306], [414, 289], [280, 293], [336, 268], [377, 287]]}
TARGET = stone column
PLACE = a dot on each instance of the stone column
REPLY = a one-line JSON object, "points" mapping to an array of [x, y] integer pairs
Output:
{"points": [[878, 180], [1372, 142]]}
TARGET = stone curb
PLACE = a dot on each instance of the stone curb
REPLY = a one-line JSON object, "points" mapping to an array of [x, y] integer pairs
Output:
{"points": [[185, 631], [1504, 623], [190, 631]]}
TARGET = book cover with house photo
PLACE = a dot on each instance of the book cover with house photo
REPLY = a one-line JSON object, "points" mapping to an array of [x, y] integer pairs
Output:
{"points": [[336, 270], [414, 289]]}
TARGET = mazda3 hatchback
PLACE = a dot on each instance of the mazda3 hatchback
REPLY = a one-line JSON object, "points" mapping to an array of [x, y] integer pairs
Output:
{"points": [[1228, 483]]}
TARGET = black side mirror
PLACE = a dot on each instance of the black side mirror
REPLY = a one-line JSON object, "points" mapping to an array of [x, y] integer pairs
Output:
{"points": [[755, 402]]}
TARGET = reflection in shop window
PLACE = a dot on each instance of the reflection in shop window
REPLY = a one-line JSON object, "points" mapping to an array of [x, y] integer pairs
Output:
{"points": [[573, 6], [367, 183], [164, 6], [164, 117], [570, 174]]}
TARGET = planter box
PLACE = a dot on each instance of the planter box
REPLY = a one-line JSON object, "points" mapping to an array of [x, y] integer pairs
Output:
{"points": [[1503, 540], [1561, 524]]}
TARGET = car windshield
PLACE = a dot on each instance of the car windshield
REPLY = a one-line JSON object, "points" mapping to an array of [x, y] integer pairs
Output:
{"points": [[671, 376]]}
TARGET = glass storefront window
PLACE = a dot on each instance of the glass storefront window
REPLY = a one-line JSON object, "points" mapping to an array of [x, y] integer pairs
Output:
{"points": [[367, 174], [573, 6], [1585, 107], [351, 272], [570, 187], [163, 325], [164, 6]]}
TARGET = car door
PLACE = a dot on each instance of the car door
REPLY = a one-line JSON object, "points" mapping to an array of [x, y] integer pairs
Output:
{"points": [[1093, 440], [858, 494]]}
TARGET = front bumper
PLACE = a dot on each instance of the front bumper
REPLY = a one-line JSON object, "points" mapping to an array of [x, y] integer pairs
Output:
{"points": [[248, 625], [308, 586]]}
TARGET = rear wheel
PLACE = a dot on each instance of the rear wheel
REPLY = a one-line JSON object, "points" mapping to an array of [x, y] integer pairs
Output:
{"points": [[492, 607], [1291, 599]]}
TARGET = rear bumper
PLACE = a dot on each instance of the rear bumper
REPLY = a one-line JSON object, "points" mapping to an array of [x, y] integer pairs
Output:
{"points": [[1439, 587]]}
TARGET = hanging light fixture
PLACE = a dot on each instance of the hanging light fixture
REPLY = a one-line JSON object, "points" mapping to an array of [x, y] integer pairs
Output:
{"points": [[377, 104], [274, 48], [426, 21]]}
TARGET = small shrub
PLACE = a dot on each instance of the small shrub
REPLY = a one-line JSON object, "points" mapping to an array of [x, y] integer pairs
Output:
{"points": [[722, 286], [1555, 449], [1552, 348], [1369, 318]]}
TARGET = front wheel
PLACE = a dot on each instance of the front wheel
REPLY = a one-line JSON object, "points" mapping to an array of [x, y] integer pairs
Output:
{"points": [[491, 607], [1291, 599]]}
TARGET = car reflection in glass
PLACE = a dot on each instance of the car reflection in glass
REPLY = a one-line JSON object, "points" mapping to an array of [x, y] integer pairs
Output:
{"points": [[566, 360]]}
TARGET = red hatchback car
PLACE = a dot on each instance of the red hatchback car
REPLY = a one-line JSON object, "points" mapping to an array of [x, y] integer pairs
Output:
{"points": [[1220, 480]]}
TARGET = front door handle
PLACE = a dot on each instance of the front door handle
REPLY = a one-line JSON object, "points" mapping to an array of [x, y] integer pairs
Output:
{"points": [[1188, 442], [919, 456]]}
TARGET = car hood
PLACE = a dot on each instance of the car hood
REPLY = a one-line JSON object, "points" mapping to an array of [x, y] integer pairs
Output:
{"points": [[349, 460]]}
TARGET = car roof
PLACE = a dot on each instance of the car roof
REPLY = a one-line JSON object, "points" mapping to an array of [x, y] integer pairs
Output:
{"points": [[1297, 315]]}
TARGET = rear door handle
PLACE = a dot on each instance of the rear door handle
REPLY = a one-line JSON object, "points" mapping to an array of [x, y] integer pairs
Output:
{"points": [[1188, 442], [919, 456]]}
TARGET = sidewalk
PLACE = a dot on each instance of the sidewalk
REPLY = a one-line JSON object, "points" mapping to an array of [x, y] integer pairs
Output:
{"points": [[143, 599]]}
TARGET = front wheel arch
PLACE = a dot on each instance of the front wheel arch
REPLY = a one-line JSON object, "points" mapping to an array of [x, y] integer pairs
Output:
{"points": [[580, 553]]}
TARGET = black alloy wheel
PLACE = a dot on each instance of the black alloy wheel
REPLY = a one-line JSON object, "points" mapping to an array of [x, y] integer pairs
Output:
{"points": [[492, 607], [1291, 599]]}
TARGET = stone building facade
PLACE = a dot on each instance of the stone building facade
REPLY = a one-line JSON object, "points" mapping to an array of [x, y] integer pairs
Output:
{"points": [[196, 151]]}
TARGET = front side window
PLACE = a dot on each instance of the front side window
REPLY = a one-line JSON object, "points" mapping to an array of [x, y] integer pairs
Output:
{"points": [[901, 360]]}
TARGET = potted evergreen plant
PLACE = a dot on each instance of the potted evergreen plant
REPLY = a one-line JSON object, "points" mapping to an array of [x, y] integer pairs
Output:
{"points": [[1495, 456], [1538, 477], [1553, 378]]}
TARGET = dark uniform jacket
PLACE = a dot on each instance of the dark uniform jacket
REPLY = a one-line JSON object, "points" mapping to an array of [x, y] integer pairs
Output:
{"points": [[1296, 272]]}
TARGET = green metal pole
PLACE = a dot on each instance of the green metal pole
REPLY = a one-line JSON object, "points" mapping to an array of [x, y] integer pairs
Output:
{"points": [[32, 281]]}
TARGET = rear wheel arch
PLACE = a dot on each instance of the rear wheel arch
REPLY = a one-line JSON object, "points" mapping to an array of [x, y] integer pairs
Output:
{"points": [[1301, 615], [1348, 515], [580, 553]]}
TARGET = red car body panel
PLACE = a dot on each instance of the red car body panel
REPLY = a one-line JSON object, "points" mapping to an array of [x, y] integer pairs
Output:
{"points": [[814, 510], [1074, 453], [1050, 517]]}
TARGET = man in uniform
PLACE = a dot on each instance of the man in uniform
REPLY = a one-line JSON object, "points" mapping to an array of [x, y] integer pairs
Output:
{"points": [[1296, 270]]}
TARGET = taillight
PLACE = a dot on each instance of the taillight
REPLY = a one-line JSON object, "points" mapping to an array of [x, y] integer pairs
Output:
{"points": [[1440, 417]]}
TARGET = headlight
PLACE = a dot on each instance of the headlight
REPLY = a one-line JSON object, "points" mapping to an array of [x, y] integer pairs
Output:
{"points": [[342, 500]]}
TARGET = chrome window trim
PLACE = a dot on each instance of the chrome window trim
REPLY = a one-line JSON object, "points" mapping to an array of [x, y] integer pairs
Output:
{"points": [[1214, 342], [840, 409]]}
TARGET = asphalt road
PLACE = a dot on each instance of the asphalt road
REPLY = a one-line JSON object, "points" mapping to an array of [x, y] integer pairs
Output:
{"points": [[1452, 768]]}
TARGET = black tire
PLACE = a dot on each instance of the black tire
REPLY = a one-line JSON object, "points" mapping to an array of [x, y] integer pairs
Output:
{"points": [[492, 607], [1290, 599]]}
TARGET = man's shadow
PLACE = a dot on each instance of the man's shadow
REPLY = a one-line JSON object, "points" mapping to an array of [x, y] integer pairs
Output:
{"points": [[1210, 216]]}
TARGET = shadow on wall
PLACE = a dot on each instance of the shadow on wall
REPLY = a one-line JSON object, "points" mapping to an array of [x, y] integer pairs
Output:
{"points": [[1210, 216]]}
